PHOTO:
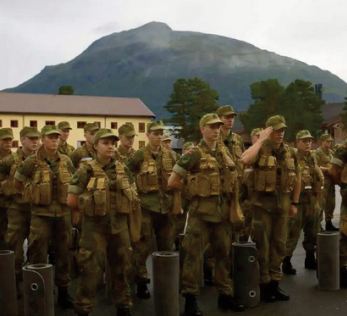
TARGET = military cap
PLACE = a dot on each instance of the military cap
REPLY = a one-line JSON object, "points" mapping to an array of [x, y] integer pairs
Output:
{"points": [[29, 132], [187, 145], [326, 136], [127, 129], [155, 126], [104, 133], [210, 118], [91, 127], [303, 134], [276, 122], [166, 136], [256, 131], [6, 132], [226, 110], [64, 125], [49, 130]]}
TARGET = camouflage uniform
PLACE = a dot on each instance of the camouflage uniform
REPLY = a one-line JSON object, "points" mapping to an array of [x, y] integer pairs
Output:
{"points": [[4, 134], [105, 234], [48, 179], [65, 148], [123, 154]]}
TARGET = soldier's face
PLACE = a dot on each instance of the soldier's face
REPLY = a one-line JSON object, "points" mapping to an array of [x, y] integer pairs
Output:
{"points": [[30, 143], [89, 136], [64, 134], [154, 137], [327, 144], [228, 121], [304, 145], [6, 144], [277, 136], [50, 142], [166, 143], [126, 141], [105, 148], [211, 132]]}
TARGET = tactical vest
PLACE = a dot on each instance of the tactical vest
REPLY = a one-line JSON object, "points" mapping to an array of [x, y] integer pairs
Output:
{"points": [[99, 200], [311, 178], [213, 179], [42, 189], [150, 179], [271, 175]]}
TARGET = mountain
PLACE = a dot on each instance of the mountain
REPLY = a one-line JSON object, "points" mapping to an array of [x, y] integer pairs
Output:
{"points": [[145, 62]]}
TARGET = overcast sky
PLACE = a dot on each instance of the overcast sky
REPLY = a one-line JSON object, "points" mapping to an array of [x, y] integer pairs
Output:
{"points": [[36, 33]]}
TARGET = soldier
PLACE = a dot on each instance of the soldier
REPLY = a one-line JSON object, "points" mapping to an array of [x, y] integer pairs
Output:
{"points": [[48, 174], [86, 152], [19, 208], [211, 184], [102, 190], [151, 167], [255, 134], [64, 147], [6, 137], [166, 142], [338, 174], [276, 194], [125, 149], [324, 154], [308, 214]]}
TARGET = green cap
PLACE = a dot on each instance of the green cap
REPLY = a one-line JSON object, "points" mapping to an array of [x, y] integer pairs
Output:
{"points": [[166, 136], [64, 125], [155, 126], [49, 130], [104, 133], [303, 134], [276, 122], [6, 132], [225, 110], [127, 129], [326, 136], [91, 127], [187, 145], [29, 132], [210, 118], [256, 131]]}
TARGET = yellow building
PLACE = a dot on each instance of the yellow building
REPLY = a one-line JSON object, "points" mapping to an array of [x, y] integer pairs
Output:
{"points": [[23, 109]]}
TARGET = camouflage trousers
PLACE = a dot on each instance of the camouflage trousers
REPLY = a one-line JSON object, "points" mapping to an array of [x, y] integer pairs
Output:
{"points": [[162, 226], [343, 231], [52, 232], [3, 228], [308, 220], [199, 234], [98, 248], [328, 199], [17, 231], [270, 235]]}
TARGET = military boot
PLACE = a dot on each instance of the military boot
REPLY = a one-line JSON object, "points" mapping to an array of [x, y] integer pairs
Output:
{"points": [[142, 289], [191, 307], [123, 310], [310, 261], [343, 277], [266, 293], [287, 267], [65, 301], [227, 302], [277, 292], [330, 227]]}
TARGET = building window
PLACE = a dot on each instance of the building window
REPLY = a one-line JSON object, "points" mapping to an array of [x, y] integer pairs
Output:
{"points": [[33, 123], [15, 143], [142, 127], [142, 143], [14, 123], [114, 125], [0, 123], [50, 122], [98, 123], [81, 124]]}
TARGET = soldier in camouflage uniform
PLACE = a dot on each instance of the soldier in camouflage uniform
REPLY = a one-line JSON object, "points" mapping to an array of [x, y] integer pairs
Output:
{"points": [[151, 167], [102, 190], [211, 181], [166, 142], [19, 208], [324, 154], [45, 177], [125, 149], [276, 194], [6, 137], [255, 134], [338, 174], [307, 218], [65, 148], [86, 152]]}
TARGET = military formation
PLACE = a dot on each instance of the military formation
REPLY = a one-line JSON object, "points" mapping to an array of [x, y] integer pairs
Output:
{"points": [[125, 203]]}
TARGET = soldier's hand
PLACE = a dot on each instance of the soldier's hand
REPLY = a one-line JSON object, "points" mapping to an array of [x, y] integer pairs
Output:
{"points": [[293, 211], [75, 217], [265, 133]]}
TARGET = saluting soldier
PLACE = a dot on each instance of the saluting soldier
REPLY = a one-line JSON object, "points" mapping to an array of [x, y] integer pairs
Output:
{"points": [[19, 211], [6, 137], [102, 190], [276, 195], [86, 152], [211, 183], [308, 216], [127, 135], [65, 148], [45, 176]]}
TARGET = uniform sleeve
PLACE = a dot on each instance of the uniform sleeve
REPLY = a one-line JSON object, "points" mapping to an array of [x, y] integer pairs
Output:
{"points": [[79, 180], [340, 157], [134, 163], [5, 167], [26, 169], [187, 162], [70, 165]]}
